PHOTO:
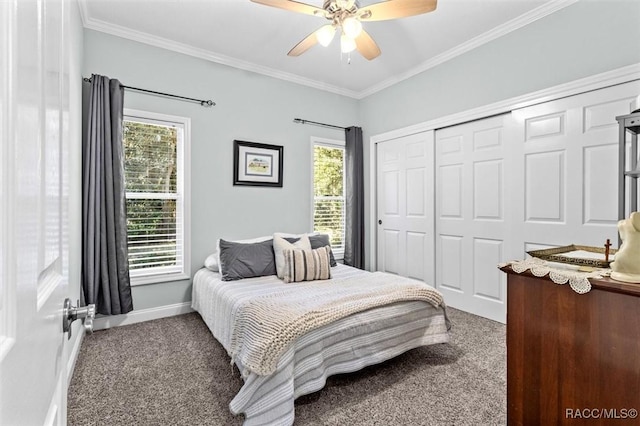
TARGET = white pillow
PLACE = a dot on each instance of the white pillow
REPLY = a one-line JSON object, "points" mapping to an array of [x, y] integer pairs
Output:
{"points": [[280, 244], [211, 262]]}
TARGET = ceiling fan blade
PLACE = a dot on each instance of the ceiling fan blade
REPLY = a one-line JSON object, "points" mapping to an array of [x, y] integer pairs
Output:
{"points": [[307, 43], [366, 46], [393, 9], [293, 6]]}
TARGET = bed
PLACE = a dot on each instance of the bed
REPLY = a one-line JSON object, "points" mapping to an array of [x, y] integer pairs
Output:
{"points": [[348, 344]]}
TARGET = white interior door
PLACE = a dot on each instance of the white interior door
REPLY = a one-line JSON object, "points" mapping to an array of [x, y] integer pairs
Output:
{"points": [[405, 206], [541, 176], [567, 154], [472, 224], [34, 189]]}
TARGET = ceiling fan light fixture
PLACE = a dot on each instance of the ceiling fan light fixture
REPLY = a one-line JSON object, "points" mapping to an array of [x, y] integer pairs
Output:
{"points": [[348, 15], [352, 27], [347, 44], [325, 35], [345, 4]]}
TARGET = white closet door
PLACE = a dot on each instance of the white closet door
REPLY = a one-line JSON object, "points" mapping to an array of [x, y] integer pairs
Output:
{"points": [[472, 224], [405, 206], [567, 154], [541, 176]]}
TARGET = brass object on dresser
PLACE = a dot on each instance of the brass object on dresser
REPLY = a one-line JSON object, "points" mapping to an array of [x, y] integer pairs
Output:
{"points": [[556, 255], [569, 351]]}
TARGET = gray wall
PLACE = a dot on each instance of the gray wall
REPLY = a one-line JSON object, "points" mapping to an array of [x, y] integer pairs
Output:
{"points": [[584, 39], [250, 107]]}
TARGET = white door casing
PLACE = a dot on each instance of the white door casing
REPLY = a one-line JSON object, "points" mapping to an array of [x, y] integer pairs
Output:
{"points": [[405, 231], [472, 221], [34, 114]]}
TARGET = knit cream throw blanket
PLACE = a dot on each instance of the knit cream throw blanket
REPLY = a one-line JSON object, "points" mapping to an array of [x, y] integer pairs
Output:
{"points": [[265, 327]]}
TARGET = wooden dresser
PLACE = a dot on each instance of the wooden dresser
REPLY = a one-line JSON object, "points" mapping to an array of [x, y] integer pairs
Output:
{"points": [[569, 352]]}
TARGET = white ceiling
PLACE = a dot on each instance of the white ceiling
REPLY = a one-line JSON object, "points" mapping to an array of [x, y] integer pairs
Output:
{"points": [[257, 38]]}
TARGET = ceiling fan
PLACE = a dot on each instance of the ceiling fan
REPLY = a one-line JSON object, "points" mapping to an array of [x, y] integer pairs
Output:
{"points": [[348, 16]]}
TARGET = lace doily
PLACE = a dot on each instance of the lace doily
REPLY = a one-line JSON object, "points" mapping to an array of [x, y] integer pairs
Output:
{"points": [[578, 280]]}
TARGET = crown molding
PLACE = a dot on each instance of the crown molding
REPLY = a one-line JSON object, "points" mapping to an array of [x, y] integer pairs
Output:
{"points": [[499, 31], [163, 43], [84, 13], [614, 77]]}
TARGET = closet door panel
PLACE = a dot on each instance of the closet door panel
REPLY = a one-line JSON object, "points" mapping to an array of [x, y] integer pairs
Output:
{"points": [[568, 149], [405, 206], [471, 225]]}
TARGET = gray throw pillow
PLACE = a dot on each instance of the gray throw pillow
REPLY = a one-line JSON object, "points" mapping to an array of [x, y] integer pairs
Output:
{"points": [[321, 240], [246, 260]]}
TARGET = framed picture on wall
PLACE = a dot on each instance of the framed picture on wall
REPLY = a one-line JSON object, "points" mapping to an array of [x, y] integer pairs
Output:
{"points": [[257, 164]]}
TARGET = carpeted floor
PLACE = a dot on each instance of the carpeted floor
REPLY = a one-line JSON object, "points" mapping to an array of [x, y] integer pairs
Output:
{"points": [[172, 371]]}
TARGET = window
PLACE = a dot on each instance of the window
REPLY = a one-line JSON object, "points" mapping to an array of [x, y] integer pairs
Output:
{"points": [[156, 150], [328, 191]]}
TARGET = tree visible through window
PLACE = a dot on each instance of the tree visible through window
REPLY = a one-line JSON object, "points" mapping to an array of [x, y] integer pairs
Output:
{"points": [[154, 193], [328, 188]]}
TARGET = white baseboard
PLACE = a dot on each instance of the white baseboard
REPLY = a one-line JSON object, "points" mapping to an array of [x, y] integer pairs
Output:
{"points": [[75, 351], [103, 323]]}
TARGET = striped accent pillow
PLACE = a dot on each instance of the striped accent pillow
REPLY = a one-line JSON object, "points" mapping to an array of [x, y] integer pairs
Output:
{"points": [[307, 265]]}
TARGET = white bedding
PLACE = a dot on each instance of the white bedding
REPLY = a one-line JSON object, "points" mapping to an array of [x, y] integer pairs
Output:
{"points": [[346, 345]]}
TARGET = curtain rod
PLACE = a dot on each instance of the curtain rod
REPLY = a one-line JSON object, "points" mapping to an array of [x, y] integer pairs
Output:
{"points": [[315, 123], [207, 103]]}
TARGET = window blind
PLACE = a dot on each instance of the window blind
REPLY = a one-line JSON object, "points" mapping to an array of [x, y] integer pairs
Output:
{"points": [[154, 219], [329, 202]]}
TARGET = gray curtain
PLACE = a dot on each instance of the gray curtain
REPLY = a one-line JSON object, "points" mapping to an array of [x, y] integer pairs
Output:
{"points": [[105, 264], [354, 194]]}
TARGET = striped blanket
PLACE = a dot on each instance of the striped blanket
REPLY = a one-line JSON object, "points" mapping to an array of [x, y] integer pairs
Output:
{"points": [[265, 327]]}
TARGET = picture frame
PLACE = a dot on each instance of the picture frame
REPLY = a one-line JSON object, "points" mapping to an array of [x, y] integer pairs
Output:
{"points": [[257, 164]]}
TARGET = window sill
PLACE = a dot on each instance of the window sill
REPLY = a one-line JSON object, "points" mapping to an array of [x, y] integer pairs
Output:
{"points": [[159, 278]]}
